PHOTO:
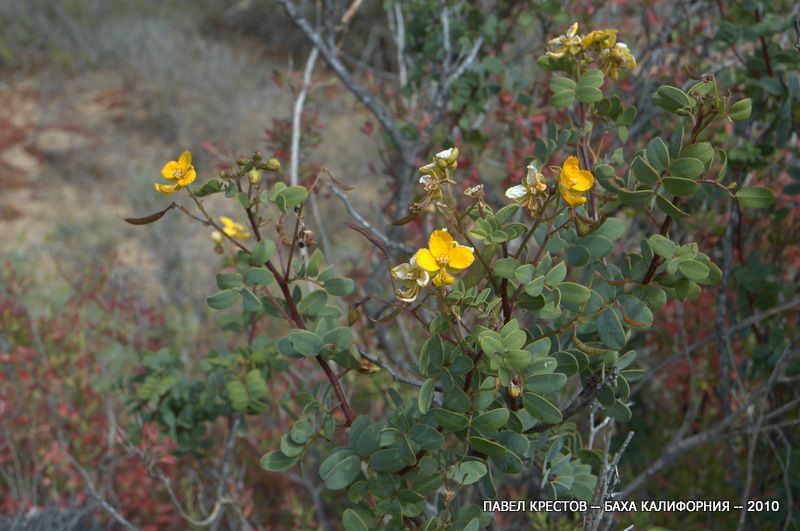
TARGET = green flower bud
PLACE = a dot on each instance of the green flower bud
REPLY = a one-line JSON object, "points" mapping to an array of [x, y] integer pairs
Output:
{"points": [[274, 165], [254, 175]]}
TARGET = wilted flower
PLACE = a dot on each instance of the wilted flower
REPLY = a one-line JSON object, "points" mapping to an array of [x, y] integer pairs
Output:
{"points": [[444, 255], [412, 277], [447, 159], [476, 193], [532, 188], [568, 44], [616, 58], [573, 182], [181, 171], [600, 39], [234, 229]]}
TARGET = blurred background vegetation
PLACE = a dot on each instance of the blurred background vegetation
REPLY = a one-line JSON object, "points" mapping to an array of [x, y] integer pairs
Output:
{"points": [[96, 95]]}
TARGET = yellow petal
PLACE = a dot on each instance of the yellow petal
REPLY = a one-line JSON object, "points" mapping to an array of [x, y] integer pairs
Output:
{"points": [[184, 161], [443, 278], [188, 177], [570, 167], [583, 181], [440, 243], [167, 188], [168, 171], [571, 198], [426, 261], [226, 221], [461, 257]]}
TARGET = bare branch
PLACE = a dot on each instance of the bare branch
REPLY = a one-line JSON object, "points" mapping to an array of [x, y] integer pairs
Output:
{"points": [[333, 61]]}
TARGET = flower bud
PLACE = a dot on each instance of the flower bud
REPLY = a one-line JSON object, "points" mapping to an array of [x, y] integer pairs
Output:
{"points": [[582, 228], [254, 175], [274, 165], [514, 391], [217, 237]]}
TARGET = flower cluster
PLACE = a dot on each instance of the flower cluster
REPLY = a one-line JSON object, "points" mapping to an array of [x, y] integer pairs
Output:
{"points": [[612, 56], [435, 175], [435, 264], [573, 183]]}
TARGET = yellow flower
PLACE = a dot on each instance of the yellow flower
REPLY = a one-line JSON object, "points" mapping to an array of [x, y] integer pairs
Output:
{"points": [[616, 58], [443, 256], [573, 182], [181, 171], [234, 229], [412, 277], [567, 44], [533, 186], [600, 39]]}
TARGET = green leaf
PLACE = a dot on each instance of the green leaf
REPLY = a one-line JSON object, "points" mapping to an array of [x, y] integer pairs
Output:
{"points": [[610, 330], [563, 99], [276, 461], [250, 302], [619, 411], [671, 98], [669, 208], [229, 280], [560, 83], [755, 197], [352, 521], [258, 275], [491, 342], [340, 337], [588, 94], [505, 267], [574, 293], [305, 342], [427, 437], [556, 275], [223, 299], [658, 154], [313, 303], [679, 186], [256, 385], [364, 436], [524, 273], [262, 252], [545, 383], [592, 78], [237, 394], [339, 286], [541, 408], [338, 471], [741, 109], [687, 167], [450, 419], [291, 197], [485, 446], [701, 151], [694, 270], [635, 198], [426, 395], [467, 473], [534, 287], [301, 431], [491, 420], [644, 172], [387, 460]]}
